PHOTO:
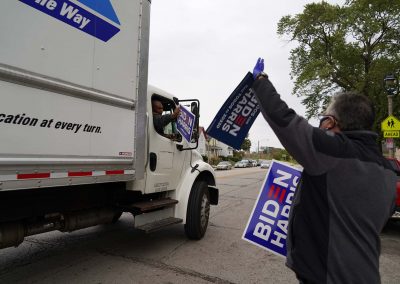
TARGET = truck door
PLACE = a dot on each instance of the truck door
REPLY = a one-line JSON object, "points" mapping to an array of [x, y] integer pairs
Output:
{"points": [[165, 161]]}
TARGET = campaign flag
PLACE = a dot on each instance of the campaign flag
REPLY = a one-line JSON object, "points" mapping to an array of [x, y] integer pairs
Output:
{"points": [[234, 119], [185, 123], [268, 224]]}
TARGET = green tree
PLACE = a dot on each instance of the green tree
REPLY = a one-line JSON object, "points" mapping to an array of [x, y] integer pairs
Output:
{"points": [[237, 156], [281, 154], [344, 48], [246, 145]]}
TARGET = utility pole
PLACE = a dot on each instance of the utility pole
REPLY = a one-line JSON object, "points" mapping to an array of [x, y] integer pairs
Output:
{"points": [[391, 87], [390, 112]]}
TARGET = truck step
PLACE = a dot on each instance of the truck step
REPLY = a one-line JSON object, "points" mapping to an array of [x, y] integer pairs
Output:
{"points": [[157, 225], [147, 206]]}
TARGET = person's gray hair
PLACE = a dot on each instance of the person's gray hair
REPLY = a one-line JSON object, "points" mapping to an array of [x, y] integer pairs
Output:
{"points": [[352, 110]]}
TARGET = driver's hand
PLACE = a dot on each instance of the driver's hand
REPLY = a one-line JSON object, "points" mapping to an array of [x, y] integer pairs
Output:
{"points": [[177, 112]]}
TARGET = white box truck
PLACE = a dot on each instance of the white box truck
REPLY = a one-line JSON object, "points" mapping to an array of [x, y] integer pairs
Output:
{"points": [[77, 141]]}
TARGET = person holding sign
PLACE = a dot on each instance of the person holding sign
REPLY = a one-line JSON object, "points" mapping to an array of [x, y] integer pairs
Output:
{"points": [[347, 189], [160, 120]]}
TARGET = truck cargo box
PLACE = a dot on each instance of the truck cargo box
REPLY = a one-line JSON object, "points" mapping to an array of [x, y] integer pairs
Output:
{"points": [[73, 77]]}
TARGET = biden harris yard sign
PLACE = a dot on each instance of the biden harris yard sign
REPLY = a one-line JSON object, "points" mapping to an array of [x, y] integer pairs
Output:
{"points": [[234, 119], [185, 123], [268, 224]]}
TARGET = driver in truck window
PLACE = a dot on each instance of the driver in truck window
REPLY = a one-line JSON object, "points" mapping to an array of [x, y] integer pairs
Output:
{"points": [[161, 120]]}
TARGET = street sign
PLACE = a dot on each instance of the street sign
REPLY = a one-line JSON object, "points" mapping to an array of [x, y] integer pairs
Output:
{"points": [[391, 134], [391, 123]]}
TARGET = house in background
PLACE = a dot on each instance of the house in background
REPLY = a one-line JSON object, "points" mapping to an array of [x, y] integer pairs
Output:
{"points": [[211, 147], [219, 149], [227, 151], [202, 142]]}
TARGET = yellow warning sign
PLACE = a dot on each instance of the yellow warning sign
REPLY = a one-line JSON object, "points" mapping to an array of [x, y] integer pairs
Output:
{"points": [[391, 134], [391, 123]]}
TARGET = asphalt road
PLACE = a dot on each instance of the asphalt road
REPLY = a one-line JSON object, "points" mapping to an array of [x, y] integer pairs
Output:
{"points": [[119, 254]]}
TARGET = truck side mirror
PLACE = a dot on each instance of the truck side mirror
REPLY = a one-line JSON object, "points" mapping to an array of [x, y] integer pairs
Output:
{"points": [[194, 109]]}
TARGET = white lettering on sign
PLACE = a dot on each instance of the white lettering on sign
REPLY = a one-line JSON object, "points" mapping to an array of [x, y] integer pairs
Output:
{"points": [[72, 13], [186, 128], [263, 230], [186, 120], [240, 113], [67, 11], [49, 4], [284, 176], [270, 209], [270, 226]]}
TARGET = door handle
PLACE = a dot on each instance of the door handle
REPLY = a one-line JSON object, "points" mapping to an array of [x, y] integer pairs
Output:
{"points": [[153, 161]]}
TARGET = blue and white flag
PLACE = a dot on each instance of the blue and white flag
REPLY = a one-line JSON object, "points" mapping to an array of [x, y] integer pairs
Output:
{"points": [[268, 224], [185, 123], [237, 115]]}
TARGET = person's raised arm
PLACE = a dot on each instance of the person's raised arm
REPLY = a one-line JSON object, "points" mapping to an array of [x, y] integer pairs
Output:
{"points": [[303, 141]]}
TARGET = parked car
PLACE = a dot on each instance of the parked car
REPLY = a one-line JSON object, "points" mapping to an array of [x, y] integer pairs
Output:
{"points": [[242, 164], [396, 166], [265, 164], [248, 163], [224, 166], [253, 163]]}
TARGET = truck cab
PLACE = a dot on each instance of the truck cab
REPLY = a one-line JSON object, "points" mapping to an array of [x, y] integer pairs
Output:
{"points": [[174, 165]]}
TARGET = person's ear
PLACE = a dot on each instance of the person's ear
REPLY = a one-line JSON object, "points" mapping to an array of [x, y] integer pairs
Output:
{"points": [[330, 123]]}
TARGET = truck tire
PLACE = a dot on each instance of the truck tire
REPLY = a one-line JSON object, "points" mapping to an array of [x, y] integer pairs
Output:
{"points": [[116, 217], [198, 211]]}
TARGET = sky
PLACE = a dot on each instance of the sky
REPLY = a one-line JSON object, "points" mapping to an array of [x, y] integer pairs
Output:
{"points": [[203, 49]]}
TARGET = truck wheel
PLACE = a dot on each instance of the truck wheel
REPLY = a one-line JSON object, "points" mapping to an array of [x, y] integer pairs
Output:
{"points": [[116, 217], [198, 211]]}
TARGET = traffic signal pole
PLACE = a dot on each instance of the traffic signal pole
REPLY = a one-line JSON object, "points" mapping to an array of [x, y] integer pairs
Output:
{"points": [[390, 111]]}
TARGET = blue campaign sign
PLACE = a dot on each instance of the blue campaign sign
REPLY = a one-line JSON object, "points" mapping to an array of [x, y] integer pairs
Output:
{"points": [[82, 15], [185, 123], [236, 116], [268, 224]]}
